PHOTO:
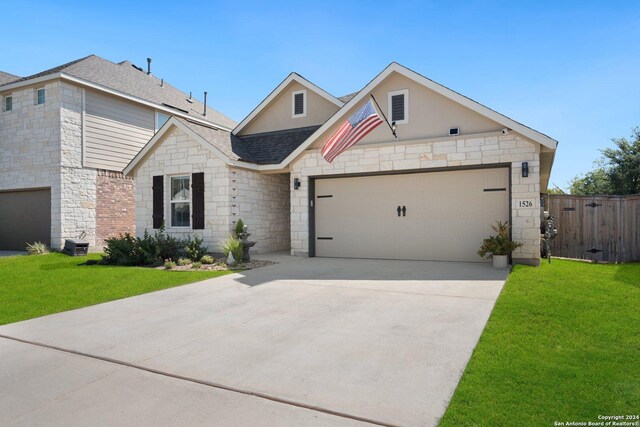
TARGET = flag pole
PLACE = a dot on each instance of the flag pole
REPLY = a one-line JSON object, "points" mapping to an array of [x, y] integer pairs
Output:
{"points": [[385, 117]]}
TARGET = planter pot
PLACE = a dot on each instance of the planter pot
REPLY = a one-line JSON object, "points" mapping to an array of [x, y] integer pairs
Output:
{"points": [[500, 261]]}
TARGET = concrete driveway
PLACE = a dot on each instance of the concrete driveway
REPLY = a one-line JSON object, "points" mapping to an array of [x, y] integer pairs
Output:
{"points": [[303, 342]]}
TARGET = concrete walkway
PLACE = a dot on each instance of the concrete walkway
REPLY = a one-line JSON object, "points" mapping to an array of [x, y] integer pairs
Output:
{"points": [[304, 342]]}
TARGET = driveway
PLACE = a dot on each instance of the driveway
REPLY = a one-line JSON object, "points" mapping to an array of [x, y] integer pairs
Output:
{"points": [[304, 342]]}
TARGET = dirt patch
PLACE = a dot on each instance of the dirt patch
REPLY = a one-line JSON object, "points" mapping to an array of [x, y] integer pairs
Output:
{"points": [[220, 265]]}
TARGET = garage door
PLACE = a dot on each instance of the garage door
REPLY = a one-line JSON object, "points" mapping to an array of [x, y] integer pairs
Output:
{"points": [[25, 216], [420, 216]]}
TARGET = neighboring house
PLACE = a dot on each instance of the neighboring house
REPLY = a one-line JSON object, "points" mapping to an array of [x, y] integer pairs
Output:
{"points": [[65, 136], [432, 194]]}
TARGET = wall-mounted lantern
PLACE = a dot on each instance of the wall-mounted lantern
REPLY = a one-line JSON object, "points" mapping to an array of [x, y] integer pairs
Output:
{"points": [[525, 169], [296, 183]]}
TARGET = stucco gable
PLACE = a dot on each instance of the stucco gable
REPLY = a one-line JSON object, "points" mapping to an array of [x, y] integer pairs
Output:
{"points": [[274, 112]]}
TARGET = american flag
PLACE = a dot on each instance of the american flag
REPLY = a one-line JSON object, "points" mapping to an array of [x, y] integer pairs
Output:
{"points": [[351, 131]]}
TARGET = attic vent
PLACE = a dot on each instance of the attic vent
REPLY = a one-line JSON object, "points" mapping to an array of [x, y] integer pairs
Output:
{"points": [[398, 106], [175, 108], [454, 131], [299, 104]]}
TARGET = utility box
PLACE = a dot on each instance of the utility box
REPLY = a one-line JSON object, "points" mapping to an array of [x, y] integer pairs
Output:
{"points": [[76, 247]]}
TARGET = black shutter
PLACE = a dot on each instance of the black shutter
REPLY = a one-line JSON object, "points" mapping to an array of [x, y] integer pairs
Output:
{"points": [[197, 199], [397, 108], [158, 201], [298, 103]]}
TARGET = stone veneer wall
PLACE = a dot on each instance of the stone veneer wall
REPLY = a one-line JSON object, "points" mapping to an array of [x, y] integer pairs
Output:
{"points": [[230, 193], [451, 152], [77, 184], [115, 205], [30, 146], [262, 201]]}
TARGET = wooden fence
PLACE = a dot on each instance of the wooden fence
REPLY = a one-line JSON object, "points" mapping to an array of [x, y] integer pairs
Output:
{"points": [[598, 228]]}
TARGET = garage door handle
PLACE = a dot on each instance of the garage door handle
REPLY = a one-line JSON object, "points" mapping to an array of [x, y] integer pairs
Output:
{"points": [[404, 211], [399, 210]]}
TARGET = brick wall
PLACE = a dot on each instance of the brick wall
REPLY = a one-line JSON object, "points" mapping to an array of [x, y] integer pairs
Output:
{"points": [[116, 202], [486, 150]]}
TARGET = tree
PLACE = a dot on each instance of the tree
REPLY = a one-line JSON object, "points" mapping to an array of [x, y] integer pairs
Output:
{"points": [[616, 172]]}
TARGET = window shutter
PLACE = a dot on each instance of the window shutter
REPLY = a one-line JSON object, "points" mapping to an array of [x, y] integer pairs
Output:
{"points": [[158, 201], [298, 103], [197, 200], [397, 108]]}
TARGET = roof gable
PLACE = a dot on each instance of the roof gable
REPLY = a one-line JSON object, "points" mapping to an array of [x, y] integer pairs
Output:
{"points": [[436, 87], [293, 77]]}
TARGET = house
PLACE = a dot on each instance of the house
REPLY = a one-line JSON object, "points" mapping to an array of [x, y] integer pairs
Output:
{"points": [[431, 194], [65, 136]]}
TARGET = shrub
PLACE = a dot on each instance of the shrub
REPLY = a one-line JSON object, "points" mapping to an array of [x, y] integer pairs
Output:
{"points": [[233, 245], [37, 248], [167, 246], [196, 265], [207, 259], [146, 250], [239, 228], [194, 249], [184, 261], [500, 244], [168, 264], [120, 250]]}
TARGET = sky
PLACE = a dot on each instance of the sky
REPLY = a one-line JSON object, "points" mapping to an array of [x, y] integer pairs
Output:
{"points": [[569, 69]]}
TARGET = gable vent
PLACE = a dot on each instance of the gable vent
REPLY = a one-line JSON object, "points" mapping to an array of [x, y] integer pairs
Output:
{"points": [[454, 131], [397, 108], [298, 100]]}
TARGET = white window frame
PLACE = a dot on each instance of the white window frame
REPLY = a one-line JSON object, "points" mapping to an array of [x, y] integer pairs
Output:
{"points": [[293, 103], [156, 121], [44, 96], [4, 103], [171, 202], [404, 92]]}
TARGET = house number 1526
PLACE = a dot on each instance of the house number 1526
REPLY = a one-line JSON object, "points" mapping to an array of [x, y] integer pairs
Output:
{"points": [[525, 204]]}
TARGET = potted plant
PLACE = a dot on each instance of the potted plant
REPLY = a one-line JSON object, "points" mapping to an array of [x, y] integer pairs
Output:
{"points": [[499, 246]]}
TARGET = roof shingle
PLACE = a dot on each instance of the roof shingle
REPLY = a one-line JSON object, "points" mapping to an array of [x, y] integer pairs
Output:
{"points": [[124, 77]]}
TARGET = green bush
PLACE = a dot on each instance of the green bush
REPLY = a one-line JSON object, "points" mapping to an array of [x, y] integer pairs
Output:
{"points": [[239, 228], [120, 250], [184, 261], [194, 249], [146, 250], [168, 264], [207, 259], [196, 265], [233, 245], [167, 246], [37, 248]]}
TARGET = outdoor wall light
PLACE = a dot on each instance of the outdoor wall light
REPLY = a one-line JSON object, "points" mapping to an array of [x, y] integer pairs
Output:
{"points": [[525, 169], [296, 183]]}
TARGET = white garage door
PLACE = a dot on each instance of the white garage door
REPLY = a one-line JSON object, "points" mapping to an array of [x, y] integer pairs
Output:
{"points": [[439, 216]]}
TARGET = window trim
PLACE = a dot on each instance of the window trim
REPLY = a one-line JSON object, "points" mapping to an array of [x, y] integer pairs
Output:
{"points": [[293, 103], [4, 103], [44, 96], [171, 202], [391, 94]]}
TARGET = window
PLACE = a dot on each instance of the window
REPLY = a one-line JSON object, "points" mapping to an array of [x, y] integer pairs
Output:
{"points": [[161, 119], [40, 96], [8, 103], [299, 103], [399, 106], [180, 201]]}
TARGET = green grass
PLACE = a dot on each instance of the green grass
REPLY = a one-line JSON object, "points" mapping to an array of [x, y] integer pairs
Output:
{"points": [[33, 286], [562, 343]]}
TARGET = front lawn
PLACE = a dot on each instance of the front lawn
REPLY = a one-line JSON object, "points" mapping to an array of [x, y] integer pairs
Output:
{"points": [[562, 344], [33, 286]]}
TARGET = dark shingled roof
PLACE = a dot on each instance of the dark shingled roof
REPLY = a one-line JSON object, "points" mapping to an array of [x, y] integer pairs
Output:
{"points": [[123, 77], [266, 148], [270, 147], [7, 78], [347, 98]]}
